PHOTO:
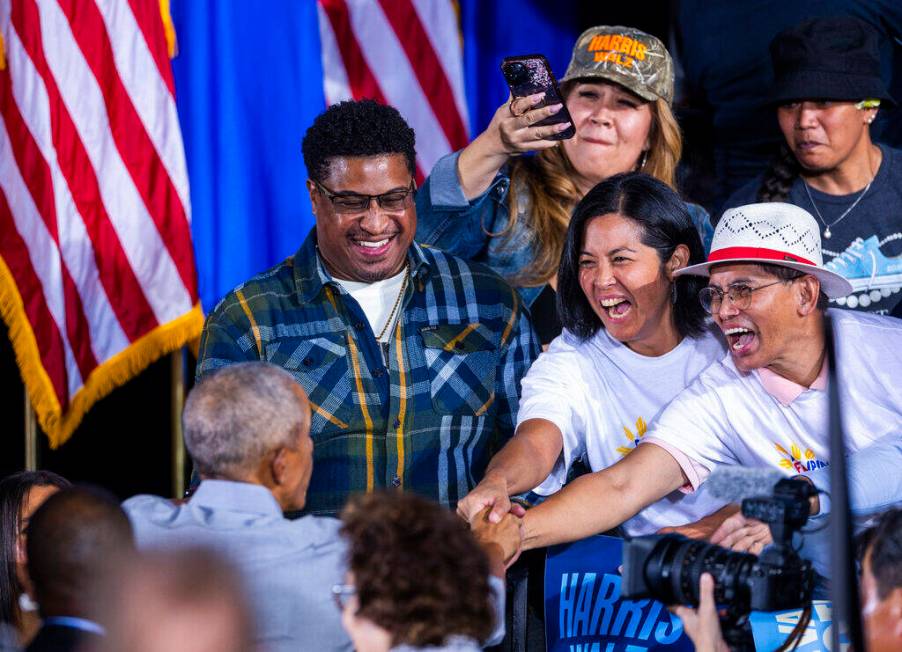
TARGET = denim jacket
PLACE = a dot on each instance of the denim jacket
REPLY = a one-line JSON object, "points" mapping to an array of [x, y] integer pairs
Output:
{"points": [[446, 220]]}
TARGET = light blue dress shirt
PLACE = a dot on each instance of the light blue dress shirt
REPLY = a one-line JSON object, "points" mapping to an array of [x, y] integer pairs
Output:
{"points": [[875, 485], [289, 567]]}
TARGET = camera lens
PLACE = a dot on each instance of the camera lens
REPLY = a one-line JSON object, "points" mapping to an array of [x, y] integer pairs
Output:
{"points": [[672, 569], [669, 567], [516, 73]]}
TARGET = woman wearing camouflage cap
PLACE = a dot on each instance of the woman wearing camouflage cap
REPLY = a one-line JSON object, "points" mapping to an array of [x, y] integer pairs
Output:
{"points": [[512, 213]]}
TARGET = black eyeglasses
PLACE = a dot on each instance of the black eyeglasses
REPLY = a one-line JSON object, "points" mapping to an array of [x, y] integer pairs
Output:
{"points": [[341, 593], [740, 295], [393, 200]]}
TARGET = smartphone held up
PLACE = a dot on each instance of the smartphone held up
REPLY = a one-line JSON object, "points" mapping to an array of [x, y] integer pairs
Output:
{"points": [[530, 74]]}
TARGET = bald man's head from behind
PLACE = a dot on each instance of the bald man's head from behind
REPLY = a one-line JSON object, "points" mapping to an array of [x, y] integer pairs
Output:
{"points": [[74, 539], [250, 422]]}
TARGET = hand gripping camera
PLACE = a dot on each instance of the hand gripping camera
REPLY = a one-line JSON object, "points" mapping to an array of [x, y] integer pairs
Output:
{"points": [[668, 567]]}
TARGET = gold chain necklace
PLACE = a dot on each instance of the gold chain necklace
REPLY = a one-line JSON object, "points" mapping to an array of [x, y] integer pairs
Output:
{"points": [[391, 315]]}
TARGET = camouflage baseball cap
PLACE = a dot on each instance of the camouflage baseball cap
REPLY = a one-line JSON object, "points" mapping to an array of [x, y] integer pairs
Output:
{"points": [[627, 56]]}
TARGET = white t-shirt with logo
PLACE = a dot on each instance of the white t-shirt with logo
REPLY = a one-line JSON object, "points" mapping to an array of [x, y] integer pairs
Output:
{"points": [[728, 417], [602, 396]]}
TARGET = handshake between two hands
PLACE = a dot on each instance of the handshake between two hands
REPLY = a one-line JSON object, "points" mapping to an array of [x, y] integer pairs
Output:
{"points": [[497, 524]]}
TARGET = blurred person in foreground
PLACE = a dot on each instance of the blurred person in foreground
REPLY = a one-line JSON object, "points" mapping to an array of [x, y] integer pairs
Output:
{"points": [[417, 578], [881, 583], [189, 600], [20, 496], [489, 204], [765, 403], [411, 358], [247, 430], [880, 591], [75, 540]]}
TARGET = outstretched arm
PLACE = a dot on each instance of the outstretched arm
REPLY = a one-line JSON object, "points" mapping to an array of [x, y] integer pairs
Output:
{"points": [[704, 527], [501, 541], [510, 132], [602, 500], [522, 464]]}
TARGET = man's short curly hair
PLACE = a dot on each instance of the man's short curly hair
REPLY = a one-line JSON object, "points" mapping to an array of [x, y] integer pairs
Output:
{"points": [[418, 571], [356, 128]]}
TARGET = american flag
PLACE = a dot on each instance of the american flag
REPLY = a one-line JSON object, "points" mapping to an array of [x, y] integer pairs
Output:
{"points": [[406, 53], [97, 275]]}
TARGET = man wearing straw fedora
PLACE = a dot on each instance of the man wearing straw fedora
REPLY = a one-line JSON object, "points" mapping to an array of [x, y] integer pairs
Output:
{"points": [[765, 404]]}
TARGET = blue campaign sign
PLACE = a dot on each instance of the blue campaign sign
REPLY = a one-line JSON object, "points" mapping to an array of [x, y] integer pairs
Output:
{"points": [[770, 629], [583, 609]]}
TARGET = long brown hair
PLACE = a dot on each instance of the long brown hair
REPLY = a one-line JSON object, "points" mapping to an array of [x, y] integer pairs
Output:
{"points": [[551, 193]]}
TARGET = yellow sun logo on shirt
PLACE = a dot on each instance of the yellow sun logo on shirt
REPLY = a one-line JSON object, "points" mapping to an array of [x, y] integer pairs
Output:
{"points": [[795, 460], [633, 439]]}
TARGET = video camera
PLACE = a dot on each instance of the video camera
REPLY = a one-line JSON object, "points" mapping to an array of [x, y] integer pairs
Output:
{"points": [[668, 567]]}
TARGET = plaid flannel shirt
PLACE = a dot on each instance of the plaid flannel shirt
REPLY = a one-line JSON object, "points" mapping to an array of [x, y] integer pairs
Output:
{"points": [[427, 423]]}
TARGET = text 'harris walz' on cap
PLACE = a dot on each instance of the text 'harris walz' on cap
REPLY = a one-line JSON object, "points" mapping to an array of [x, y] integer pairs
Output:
{"points": [[626, 56]]}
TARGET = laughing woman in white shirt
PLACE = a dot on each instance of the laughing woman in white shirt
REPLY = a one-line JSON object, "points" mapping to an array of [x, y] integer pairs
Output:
{"points": [[634, 337]]}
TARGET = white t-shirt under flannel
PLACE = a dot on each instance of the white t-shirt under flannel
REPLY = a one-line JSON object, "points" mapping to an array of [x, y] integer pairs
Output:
{"points": [[379, 301], [602, 395], [729, 417]]}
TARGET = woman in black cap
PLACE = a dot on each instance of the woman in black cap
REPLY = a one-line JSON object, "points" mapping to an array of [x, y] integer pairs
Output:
{"points": [[828, 91]]}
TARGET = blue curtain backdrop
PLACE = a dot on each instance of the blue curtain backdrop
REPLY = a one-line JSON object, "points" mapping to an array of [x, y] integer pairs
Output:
{"points": [[494, 30], [248, 84]]}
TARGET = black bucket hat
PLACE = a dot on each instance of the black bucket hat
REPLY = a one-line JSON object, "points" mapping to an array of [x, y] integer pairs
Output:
{"points": [[834, 58]]}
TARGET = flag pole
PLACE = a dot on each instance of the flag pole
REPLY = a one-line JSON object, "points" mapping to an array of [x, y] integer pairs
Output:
{"points": [[177, 404], [31, 436]]}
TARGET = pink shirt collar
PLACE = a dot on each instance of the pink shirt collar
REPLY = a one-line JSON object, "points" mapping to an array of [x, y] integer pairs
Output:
{"points": [[786, 391]]}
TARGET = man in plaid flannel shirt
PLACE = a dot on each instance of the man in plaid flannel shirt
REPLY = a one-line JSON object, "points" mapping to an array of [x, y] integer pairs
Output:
{"points": [[411, 358]]}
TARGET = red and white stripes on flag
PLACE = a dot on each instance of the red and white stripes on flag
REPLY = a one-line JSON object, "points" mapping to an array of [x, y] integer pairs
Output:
{"points": [[97, 275], [406, 53]]}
